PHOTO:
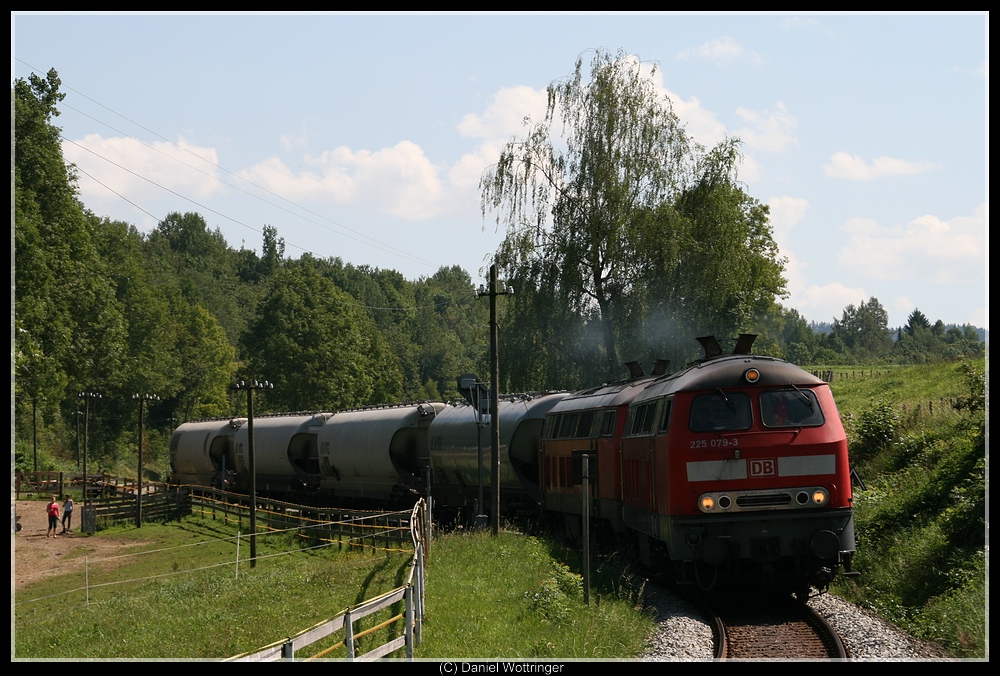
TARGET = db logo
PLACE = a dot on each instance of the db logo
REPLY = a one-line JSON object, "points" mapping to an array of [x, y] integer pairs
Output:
{"points": [[763, 467]]}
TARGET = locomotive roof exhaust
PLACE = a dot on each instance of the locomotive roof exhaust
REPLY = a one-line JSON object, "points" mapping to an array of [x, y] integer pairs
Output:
{"points": [[713, 349], [711, 346], [659, 368], [744, 343], [634, 369]]}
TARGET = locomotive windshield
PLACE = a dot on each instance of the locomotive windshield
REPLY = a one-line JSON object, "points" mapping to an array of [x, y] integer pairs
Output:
{"points": [[720, 412], [790, 408]]}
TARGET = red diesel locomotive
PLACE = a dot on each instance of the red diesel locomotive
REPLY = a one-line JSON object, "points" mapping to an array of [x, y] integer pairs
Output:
{"points": [[734, 470]]}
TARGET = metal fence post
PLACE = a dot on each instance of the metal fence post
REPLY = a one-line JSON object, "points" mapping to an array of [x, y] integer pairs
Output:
{"points": [[349, 635], [418, 581], [408, 632]]}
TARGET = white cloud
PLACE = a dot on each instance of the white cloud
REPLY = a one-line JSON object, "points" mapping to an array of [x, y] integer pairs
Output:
{"points": [[826, 303], [722, 52], [901, 306], [140, 171], [502, 120], [749, 169], [702, 125], [768, 130], [505, 115], [399, 181], [466, 172], [845, 165], [786, 213], [290, 143], [926, 248]]}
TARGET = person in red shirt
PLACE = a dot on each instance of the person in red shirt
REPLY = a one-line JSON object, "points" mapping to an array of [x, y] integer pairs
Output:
{"points": [[53, 512]]}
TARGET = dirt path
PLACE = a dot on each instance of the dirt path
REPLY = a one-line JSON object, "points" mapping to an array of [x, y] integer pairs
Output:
{"points": [[34, 556]]}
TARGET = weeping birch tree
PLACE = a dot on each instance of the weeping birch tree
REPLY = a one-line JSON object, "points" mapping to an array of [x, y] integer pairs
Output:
{"points": [[591, 191]]}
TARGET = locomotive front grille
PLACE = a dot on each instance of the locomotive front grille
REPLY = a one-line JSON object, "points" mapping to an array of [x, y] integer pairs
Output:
{"points": [[766, 500], [805, 497]]}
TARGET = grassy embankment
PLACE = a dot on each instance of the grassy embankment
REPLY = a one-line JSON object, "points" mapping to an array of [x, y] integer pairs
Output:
{"points": [[920, 521]]}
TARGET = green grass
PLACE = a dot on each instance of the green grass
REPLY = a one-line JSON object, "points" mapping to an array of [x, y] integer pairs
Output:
{"points": [[905, 386], [510, 597], [920, 521], [486, 597], [173, 611]]}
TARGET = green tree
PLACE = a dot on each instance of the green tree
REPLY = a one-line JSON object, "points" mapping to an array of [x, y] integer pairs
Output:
{"points": [[208, 364], [916, 320], [449, 331], [710, 264], [864, 330], [608, 148], [604, 199], [70, 329], [789, 331], [184, 250], [544, 343], [317, 345]]}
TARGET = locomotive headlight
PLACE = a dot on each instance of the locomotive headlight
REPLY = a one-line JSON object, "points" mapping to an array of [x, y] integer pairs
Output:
{"points": [[707, 503], [820, 496], [751, 375]]}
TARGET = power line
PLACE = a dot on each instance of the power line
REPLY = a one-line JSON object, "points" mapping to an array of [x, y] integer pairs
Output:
{"points": [[357, 236]]}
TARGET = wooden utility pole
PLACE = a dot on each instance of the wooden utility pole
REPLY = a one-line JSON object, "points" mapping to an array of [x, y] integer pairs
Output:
{"points": [[250, 387], [142, 398], [493, 292]]}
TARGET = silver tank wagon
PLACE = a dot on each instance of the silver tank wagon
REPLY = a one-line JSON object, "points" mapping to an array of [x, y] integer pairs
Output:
{"points": [[285, 451], [455, 440], [200, 452], [377, 453]]}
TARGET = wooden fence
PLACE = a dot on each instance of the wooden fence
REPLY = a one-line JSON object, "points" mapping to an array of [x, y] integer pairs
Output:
{"points": [[348, 528], [105, 497], [411, 593], [115, 500]]}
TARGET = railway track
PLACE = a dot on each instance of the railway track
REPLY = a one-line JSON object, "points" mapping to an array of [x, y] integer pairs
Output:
{"points": [[773, 629]]}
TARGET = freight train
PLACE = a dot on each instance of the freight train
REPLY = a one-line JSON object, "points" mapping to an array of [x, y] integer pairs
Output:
{"points": [[731, 471]]}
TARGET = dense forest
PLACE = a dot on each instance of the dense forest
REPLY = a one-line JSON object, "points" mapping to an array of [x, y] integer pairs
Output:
{"points": [[103, 312]]}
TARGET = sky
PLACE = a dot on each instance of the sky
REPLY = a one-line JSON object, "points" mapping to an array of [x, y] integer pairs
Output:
{"points": [[363, 136]]}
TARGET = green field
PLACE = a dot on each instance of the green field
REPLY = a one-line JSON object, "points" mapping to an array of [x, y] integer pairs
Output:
{"points": [[172, 591]]}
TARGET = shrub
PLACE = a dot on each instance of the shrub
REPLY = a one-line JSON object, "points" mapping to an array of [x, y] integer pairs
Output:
{"points": [[555, 593], [876, 428]]}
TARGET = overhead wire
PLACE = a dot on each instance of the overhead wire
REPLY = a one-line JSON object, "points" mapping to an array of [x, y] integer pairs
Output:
{"points": [[362, 238], [371, 241]]}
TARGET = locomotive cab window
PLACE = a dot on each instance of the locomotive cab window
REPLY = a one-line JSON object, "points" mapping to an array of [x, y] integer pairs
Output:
{"points": [[720, 412], [790, 408]]}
